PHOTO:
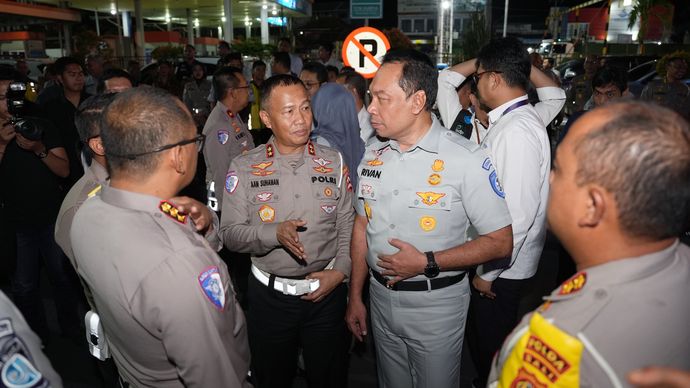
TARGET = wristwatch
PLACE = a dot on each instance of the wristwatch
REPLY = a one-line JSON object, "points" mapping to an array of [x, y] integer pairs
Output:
{"points": [[42, 154], [431, 270]]}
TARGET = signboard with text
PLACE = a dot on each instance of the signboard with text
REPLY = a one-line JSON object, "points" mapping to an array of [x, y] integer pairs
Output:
{"points": [[366, 9]]}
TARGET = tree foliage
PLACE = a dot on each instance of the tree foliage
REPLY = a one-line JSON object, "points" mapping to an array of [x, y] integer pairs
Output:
{"points": [[474, 36], [642, 10]]}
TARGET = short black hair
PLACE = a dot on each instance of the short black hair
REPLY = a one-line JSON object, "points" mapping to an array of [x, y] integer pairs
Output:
{"points": [[509, 57], [318, 69], [112, 73], [418, 73], [87, 119], [610, 75], [641, 155], [62, 63], [282, 58], [357, 82], [347, 69], [332, 69], [137, 121], [224, 79], [328, 46], [258, 63], [275, 81]]}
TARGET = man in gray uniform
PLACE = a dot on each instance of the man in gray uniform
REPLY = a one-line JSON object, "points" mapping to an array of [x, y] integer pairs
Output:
{"points": [[22, 362], [228, 136], [87, 121], [289, 203], [449, 185], [163, 294], [619, 198]]}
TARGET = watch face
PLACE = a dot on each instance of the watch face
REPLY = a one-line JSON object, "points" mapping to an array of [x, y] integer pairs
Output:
{"points": [[431, 270]]}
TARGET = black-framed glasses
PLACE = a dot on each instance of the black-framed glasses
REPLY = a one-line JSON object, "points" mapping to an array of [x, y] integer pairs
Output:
{"points": [[478, 76], [198, 140]]}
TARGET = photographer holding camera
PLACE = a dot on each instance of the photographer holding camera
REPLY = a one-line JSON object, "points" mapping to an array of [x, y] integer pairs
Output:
{"points": [[33, 162]]}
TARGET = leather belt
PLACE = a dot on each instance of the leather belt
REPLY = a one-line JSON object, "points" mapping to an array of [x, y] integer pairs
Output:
{"points": [[419, 285]]}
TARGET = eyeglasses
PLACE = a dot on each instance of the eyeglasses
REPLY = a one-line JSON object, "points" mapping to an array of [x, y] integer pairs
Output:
{"points": [[198, 140], [477, 76]]}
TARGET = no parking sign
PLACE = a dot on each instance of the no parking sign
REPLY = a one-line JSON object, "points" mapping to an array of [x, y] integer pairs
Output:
{"points": [[363, 50]]}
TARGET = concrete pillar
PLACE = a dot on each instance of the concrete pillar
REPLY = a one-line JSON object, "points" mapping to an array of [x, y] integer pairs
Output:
{"points": [[264, 24], [190, 27], [141, 41], [227, 26]]}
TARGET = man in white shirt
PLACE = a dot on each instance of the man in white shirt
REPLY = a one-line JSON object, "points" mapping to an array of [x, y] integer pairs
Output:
{"points": [[519, 147], [451, 100], [326, 55], [357, 86], [284, 45]]}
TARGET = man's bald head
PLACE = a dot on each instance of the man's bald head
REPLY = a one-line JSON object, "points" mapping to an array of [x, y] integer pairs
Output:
{"points": [[640, 153]]}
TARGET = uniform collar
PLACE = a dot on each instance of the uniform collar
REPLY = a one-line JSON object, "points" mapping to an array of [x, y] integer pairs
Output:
{"points": [[98, 171], [617, 272], [430, 141], [272, 150], [497, 112]]}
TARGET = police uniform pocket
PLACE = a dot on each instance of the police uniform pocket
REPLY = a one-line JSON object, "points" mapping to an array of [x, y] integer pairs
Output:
{"points": [[428, 211]]}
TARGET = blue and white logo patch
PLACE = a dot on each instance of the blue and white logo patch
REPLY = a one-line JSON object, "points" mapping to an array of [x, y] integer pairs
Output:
{"points": [[231, 181], [496, 185], [212, 285], [223, 136], [18, 372], [486, 164]]}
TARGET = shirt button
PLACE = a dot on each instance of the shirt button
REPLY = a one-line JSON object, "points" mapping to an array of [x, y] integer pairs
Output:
{"points": [[395, 192], [296, 195], [392, 226]]}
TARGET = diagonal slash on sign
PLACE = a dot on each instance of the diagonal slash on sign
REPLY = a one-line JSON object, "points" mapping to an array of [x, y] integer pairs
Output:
{"points": [[365, 52]]}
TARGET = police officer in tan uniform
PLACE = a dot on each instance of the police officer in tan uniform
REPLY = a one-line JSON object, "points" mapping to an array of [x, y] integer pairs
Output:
{"points": [[627, 306], [671, 91], [289, 203], [163, 294], [580, 89], [228, 136], [87, 121]]}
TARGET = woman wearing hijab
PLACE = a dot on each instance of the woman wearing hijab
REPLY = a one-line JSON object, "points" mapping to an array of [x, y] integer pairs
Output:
{"points": [[336, 124]]}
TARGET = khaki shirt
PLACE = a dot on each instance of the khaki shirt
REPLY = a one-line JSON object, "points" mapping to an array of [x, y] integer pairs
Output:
{"points": [[87, 186], [429, 195], [164, 296], [674, 95], [579, 92], [603, 323], [263, 189], [227, 137]]}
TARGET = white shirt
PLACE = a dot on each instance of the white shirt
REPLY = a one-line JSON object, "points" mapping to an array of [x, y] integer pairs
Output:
{"points": [[332, 62], [366, 131], [295, 64], [447, 100], [519, 147]]}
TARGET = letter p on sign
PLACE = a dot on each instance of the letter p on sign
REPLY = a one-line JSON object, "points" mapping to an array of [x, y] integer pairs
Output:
{"points": [[363, 50]]}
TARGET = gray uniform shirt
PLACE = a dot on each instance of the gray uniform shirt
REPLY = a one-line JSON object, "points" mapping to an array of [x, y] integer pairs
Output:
{"points": [[624, 315], [428, 195], [87, 186], [263, 189], [164, 296], [22, 363], [226, 138]]}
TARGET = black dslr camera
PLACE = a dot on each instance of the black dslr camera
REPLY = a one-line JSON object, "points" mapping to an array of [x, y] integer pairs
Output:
{"points": [[29, 127]]}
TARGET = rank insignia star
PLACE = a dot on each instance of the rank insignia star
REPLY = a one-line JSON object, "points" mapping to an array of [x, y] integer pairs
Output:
{"points": [[574, 284], [429, 197], [269, 150], [171, 211], [311, 149]]}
